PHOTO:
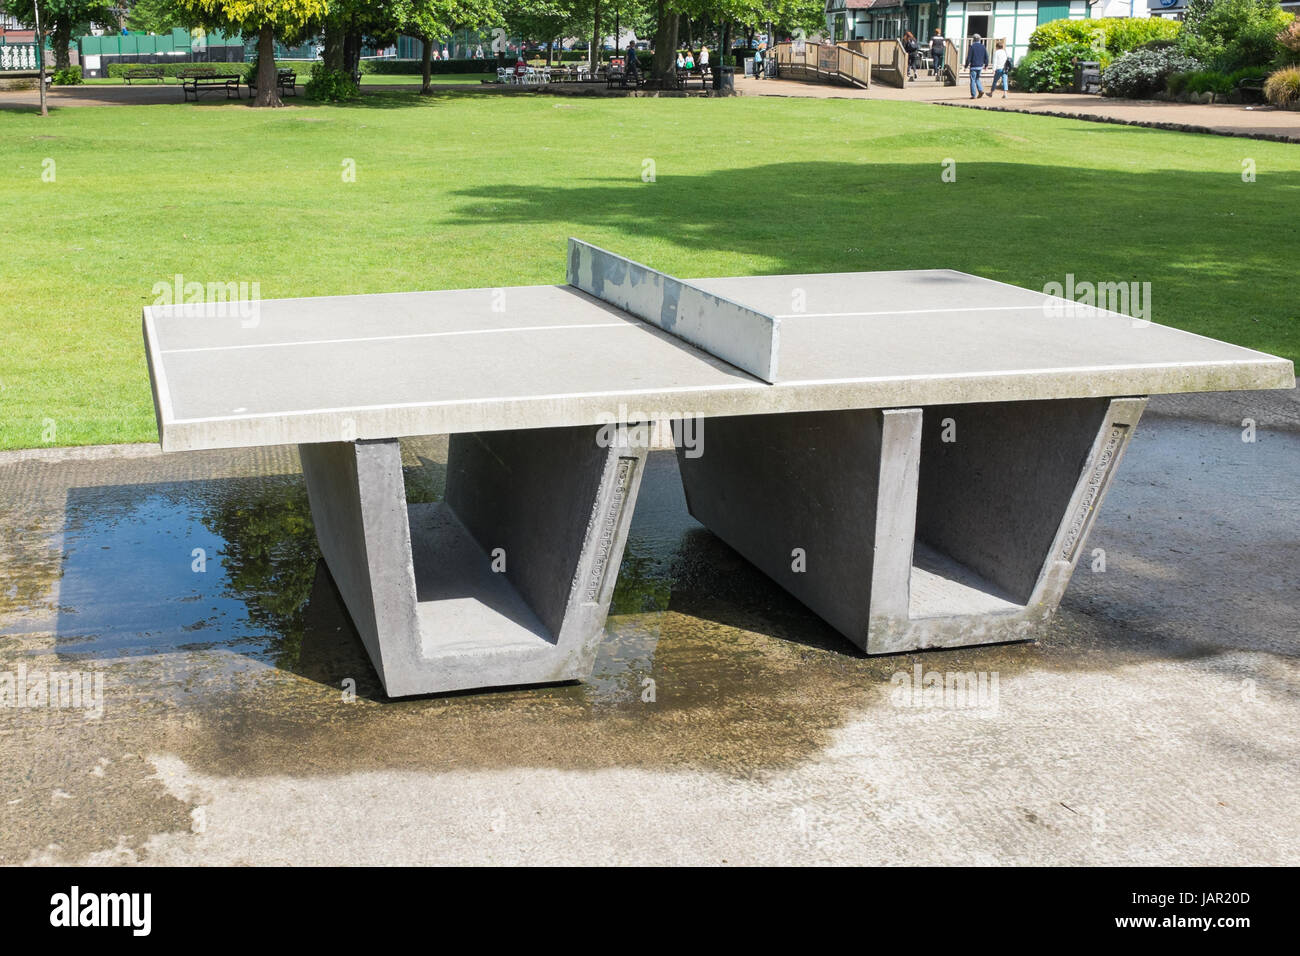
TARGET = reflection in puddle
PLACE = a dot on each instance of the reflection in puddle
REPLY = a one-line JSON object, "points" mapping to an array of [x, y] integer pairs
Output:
{"points": [[200, 571], [185, 567]]}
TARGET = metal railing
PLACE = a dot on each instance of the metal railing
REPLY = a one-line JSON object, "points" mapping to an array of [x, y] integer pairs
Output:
{"points": [[18, 56], [822, 61]]}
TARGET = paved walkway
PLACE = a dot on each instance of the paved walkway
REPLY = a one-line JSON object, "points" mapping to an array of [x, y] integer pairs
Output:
{"points": [[1151, 723], [1263, 122], [1256, 121]]}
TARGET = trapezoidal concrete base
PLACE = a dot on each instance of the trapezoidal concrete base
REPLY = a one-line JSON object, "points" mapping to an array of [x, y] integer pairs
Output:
{"points": [[507, 581], [914, 528]]}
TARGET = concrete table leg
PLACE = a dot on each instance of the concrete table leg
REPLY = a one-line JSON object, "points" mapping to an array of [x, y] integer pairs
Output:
{"points": [[913, 528], [505, 582]]}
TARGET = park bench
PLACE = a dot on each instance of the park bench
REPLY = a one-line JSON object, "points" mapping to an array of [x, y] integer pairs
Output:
{"points": [[142, 73], [1251, 89], [618, 77], [211, 82], [285, 82], [916, 456], [701, 73]]}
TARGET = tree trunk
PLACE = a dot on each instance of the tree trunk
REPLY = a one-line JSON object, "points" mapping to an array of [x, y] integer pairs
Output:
{"points": [[332, 55], [595, 38], [426, 88], [352, 52], [268, 93], [61, 38], [665, 62]]}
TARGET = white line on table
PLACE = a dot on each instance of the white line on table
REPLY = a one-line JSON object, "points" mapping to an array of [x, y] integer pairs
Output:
{"points": [[413, 335]]}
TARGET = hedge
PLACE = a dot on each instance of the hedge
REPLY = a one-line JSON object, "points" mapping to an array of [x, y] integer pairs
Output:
{"points": [[169, 69], [1115, 35], [393, 67]]}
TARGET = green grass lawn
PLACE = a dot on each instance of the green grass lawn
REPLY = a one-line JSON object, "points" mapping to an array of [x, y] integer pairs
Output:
{"points": [[463, 190]]}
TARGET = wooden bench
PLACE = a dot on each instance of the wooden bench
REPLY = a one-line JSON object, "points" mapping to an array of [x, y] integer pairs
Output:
{"points": [[286, 82], [619, 78], [1251, 87], [209, 82], [142, 73]]}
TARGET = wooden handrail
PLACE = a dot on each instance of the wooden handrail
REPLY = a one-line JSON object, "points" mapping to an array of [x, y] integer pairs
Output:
{"points": [[824, 61]]}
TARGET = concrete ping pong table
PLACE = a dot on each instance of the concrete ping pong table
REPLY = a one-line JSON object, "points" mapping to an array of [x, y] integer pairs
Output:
{"points": [[916, 456]]}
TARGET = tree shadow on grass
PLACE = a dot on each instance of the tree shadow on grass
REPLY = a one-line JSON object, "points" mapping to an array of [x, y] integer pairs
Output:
{"points": [[1206, 242]]}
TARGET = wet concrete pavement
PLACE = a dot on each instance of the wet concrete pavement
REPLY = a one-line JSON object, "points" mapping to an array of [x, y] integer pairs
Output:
{"points": [[1153, 721]]}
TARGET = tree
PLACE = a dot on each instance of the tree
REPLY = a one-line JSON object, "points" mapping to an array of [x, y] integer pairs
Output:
{"points": [[543, 20], [349, 22], [152, 16], [59, 18], [289, 19], [431, 20], [1230, 34]]}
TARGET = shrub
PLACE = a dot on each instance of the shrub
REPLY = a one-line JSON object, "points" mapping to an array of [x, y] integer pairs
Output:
{"points": [[1115, 35], [330, 86], [69, 76], [1143, 73], [1283, 87], [1222, 85], [1289, 40], [1044, 71], [1124, 34]]}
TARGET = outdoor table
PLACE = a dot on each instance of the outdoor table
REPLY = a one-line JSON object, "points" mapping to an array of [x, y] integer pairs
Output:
{"points": [[916, 456]]}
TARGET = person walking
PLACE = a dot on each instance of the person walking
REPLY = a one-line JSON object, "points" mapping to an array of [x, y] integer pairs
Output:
{"points": [[977, 57], [937, 48], [1001, 67], [758, 62], [632, 70], [913, 51]]}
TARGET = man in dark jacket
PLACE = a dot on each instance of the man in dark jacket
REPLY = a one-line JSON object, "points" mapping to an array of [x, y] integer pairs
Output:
{"points": [[977, 57]]}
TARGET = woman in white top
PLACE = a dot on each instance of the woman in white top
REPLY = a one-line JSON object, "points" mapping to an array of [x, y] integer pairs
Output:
{"points": [[1001, 66]]}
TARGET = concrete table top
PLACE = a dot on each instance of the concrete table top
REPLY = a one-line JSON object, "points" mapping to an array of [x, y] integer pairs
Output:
{"points": [[392, 365]]}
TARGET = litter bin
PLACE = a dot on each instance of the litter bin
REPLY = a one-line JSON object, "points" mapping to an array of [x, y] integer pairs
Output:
{"points": [[724, 80], [1087, 76]]}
